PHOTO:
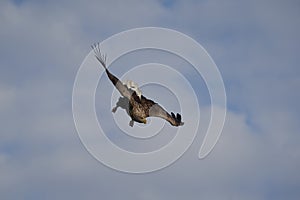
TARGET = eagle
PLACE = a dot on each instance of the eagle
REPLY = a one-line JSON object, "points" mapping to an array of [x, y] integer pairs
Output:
{"points": [[137, 106]]}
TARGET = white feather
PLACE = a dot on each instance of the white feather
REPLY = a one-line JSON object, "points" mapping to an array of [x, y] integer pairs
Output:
{"points": [[133, 86]]}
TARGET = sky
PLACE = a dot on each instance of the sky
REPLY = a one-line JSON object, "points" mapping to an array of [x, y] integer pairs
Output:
{"points": [[255, 45]]}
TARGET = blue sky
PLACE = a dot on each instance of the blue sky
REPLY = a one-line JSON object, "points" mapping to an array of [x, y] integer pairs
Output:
{"points": [[255, 44]]}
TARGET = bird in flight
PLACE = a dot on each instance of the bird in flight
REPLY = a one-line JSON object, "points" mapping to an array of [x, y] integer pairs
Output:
{"points": [[137, 106]]}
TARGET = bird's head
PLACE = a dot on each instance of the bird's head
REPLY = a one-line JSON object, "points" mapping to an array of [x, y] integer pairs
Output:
{"points": [[134, 87]]}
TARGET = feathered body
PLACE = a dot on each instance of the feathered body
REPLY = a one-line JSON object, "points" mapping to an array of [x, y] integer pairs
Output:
{"points": [[137, 106]]}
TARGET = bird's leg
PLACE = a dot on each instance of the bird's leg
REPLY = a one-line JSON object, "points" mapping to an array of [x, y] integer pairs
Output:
{"points": [[131, 123], [118, 104]]}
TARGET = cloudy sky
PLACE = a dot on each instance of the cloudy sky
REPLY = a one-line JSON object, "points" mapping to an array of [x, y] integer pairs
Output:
{"points": [[255, 45]]}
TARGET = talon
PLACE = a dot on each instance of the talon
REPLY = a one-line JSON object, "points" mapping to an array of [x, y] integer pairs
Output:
{"points": [[145, 121], [131, 123], [114, 109]]}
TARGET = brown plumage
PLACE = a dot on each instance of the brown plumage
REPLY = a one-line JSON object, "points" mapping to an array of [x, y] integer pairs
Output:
{"points": [[138, 108]]}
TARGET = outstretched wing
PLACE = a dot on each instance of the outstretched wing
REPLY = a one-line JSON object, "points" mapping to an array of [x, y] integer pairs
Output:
{"points": [[124, 91], [155, 110]]}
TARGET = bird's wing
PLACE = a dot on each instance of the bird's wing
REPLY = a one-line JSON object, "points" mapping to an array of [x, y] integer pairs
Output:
{"points": [[124, 91], [155, 110]]}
